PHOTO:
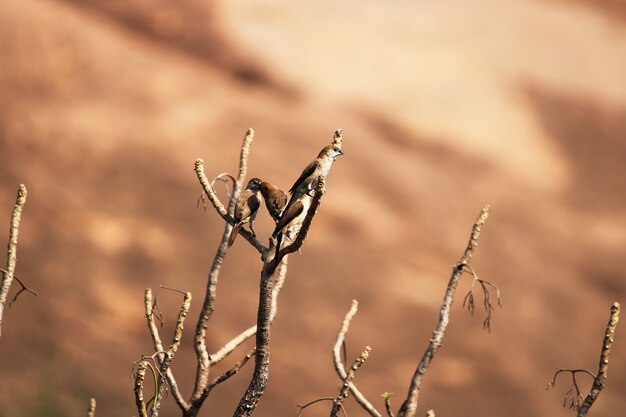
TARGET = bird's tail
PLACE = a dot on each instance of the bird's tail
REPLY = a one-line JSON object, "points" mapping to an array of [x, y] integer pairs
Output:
{"points": [[233, 234], [279, 241]]}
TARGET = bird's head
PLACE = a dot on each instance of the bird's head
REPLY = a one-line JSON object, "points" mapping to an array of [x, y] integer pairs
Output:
{"points": [[254, 184], [330, 151]]}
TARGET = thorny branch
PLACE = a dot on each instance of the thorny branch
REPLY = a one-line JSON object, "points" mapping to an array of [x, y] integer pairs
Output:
{"points": [[573, 398], [7, 277], [409, 406], [339, 367]]}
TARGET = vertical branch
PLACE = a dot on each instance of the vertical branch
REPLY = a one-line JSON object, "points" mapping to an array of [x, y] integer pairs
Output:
{"points": [[158, 345], [339, 367], [12, 248], [409, 406], [139, 398], [599, 380], [208, 307]]}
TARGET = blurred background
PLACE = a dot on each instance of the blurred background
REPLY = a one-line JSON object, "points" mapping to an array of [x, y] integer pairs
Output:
{"points": [[445, 106]]}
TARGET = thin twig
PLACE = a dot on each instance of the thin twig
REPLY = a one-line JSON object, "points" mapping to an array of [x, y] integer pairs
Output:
{"points": [[12, 248], [302, 407], [573, 398], [600, 379], [345, 388], [339, 365], [165, 357], [468, 301], [232, 371], [24, 288], [409, 406], [387, 396], [91, 409]]}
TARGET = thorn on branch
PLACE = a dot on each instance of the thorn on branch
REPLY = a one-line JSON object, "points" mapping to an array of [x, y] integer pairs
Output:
{"points": [[24, 288]]}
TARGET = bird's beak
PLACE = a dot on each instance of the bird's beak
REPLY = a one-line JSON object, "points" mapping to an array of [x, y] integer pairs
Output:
{"points": [[340, 152]]}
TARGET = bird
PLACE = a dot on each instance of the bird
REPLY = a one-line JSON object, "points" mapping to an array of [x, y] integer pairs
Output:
{"points": [[275, 199], [246, 208], [320, 166], [291, 219]]}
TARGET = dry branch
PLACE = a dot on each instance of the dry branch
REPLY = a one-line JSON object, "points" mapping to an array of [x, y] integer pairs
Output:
{"points": [[345, 388], [600, 379], [14, 229], [339, 367], [409, 406], [573, 398]]}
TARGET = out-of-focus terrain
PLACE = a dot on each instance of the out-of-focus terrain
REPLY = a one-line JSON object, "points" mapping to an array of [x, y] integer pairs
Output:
{"points": [[445, 106]]}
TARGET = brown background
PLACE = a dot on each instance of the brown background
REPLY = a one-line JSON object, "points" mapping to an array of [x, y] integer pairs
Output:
{"points": [[104, 106]]}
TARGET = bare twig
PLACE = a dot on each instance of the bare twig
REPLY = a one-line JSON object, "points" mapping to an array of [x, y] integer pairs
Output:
{"points": [[14, 229], [23, 289], [468, 301], [232, 371], [302, 407], [345, 388], [600, 379], [158, 344], [573, 398], [91, 409], [409, 406], [339, 366]]}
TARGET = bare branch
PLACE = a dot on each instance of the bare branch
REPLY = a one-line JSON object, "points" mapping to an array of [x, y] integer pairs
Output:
{"points": [[600, 379], [409, 406], [140, 375], [232, 371], [302, 407], [165, 357], [234, 343], [12, 248], [91, 409], [345, 388], [339, 366], [203, 362]]}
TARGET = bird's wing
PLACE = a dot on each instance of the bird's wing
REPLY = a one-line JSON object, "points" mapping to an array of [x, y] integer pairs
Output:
{"points": [[308, 171], [242, 208], [291, 212], [279, 202], [252, 204]]}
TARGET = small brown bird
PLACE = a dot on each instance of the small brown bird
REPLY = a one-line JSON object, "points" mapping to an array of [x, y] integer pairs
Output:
{"points": [[275, 199], [246, 208], [291, 219], [319, 167]]}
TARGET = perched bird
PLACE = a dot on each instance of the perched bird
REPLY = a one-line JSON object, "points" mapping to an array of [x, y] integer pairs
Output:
{"points": [[319, 167], [246, 208], [275, 199], [291, 219]]}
